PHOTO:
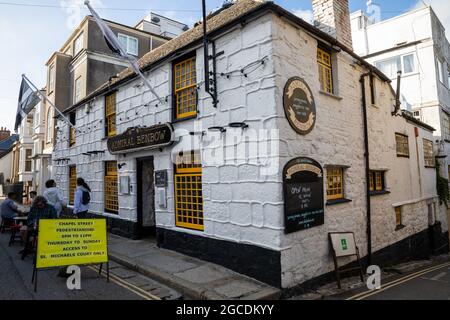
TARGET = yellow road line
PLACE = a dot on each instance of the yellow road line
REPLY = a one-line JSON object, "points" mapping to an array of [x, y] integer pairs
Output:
{"points": [[397, 282], [131, 287]]}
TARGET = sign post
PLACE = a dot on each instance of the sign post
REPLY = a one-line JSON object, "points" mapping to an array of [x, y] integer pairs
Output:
{"points": [[63, 243], [343, 245]]}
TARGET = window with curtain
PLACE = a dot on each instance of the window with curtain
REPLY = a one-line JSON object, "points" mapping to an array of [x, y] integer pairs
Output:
{"points": [[77, 90], [130, 44], [406, 64]]}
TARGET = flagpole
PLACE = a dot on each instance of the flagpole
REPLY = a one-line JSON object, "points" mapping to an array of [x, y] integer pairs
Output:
{"points": [[48, 100]]}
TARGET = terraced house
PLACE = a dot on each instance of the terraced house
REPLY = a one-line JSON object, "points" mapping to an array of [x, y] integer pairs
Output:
{"points": [[297, 137]]}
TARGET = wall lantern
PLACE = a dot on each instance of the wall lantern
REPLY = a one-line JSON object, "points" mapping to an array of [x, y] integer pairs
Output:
{"points": [[221, 129], [241, 125]]}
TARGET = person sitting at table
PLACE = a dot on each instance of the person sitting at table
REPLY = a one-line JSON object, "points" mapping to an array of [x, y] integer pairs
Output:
{"points": [[9, 209], [40, 209]]}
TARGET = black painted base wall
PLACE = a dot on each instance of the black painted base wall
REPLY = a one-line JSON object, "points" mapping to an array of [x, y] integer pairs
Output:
{"points": [[256, 262], [415, 247], [120, 227]]}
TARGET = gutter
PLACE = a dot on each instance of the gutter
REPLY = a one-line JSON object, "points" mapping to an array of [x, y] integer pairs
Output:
{"points": [[367, 164]]}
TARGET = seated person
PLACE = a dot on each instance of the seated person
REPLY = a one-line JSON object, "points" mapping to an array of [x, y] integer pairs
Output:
{"points": [[32, 196], [40, 209], [9, 208]]}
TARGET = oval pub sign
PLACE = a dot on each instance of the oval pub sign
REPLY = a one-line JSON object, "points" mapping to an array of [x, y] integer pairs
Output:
{"points": [[299, 105]]}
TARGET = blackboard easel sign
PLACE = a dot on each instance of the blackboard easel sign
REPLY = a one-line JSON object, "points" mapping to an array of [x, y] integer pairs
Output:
{"points": [[303, 195]]}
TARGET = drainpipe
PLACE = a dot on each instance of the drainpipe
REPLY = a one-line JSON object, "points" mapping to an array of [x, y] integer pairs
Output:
{"points": [[367, 158]]}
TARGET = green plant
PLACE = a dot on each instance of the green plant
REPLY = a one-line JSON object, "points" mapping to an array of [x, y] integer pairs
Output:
{"points": [[442, 187]]}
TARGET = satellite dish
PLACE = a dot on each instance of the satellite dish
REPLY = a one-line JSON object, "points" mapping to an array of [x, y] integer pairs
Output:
{"points": [[155, 19]]}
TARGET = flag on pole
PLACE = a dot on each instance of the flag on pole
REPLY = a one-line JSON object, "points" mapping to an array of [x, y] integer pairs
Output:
{"points": [[28, 99], [116, 46]]}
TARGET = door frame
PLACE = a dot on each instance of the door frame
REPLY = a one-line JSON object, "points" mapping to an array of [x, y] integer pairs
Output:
{"points": [[141, 230]]}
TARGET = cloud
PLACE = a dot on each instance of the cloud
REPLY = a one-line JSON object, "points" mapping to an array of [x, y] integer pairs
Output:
{"points": [[306, 15], [442, 10]]}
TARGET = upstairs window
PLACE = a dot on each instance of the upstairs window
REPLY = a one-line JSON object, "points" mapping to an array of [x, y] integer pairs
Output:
{"points": [[72, 131], [398, 217], [77, 90], [78, 44], [325, 70], [402, 145], [185, 88], [28, 160], [49, 125], [428, 153], [110, 114], [391, 66], [130, 44], [51, 78]]}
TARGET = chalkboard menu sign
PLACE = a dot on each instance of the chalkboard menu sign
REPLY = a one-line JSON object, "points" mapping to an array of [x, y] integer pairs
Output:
{"points": [[303, 195], [299, 105]]}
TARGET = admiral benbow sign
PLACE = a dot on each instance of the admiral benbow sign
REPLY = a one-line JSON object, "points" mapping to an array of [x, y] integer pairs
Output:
{"points": [[136, 139], [299, 105]]}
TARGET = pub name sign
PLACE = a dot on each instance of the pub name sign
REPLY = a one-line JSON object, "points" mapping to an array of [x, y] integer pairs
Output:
{"points": [[137, 139]]}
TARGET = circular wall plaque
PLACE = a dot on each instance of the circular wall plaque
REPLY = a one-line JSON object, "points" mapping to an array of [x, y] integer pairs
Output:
{"points": [[299, 105]]}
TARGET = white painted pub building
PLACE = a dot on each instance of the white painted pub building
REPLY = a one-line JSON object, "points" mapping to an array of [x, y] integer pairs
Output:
{"points": [[256, 180]]}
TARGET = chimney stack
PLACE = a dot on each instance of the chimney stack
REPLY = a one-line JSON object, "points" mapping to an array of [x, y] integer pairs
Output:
{"points": [[333, 17], [4, 134]]}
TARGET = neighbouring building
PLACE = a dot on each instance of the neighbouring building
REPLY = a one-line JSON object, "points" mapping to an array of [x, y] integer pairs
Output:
{"points": [[83, 63], [415, 44], [6, 156], [163, 26], [257, 181]]}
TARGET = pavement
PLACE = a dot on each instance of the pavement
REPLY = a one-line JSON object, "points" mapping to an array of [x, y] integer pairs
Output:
{"points": [[125, 284], [195, 278], [412, 280]]}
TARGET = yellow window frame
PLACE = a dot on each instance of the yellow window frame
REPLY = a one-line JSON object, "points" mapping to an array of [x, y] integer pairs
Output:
{"points": [[398, 216], [110, 114], [325, 70], [111, 187], [335, 183], [185, 88], [72, 184], [189, 193]]}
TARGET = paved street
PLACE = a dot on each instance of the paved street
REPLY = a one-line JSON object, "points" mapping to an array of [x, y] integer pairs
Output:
{"points": [[431, 283], [15, 282]]}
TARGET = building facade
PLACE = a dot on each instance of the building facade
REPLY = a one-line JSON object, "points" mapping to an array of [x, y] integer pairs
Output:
{"points": [[257, 182], [414, 43], [82, 64]]}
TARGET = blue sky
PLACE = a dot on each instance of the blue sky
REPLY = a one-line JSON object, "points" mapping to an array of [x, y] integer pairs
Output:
{"points": [[31, 30]]}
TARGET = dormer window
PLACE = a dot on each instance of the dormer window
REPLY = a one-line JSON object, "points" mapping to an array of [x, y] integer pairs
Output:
{"points": [[130, 44]]}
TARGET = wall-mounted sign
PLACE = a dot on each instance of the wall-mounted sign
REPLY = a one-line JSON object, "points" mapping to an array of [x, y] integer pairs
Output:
{"points": [[137, 139], [124, 185], [303, 195], [161, 178], [299, 105]]}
